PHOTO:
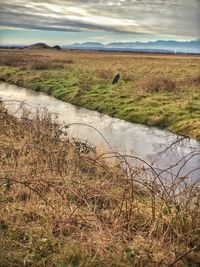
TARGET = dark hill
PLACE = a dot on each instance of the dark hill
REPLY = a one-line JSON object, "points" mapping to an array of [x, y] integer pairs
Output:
{"points": [[39, 46], [43, 46], [56, 47]]}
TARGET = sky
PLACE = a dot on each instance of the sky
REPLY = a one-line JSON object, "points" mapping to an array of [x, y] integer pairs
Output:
{"points": [[69, 21]]}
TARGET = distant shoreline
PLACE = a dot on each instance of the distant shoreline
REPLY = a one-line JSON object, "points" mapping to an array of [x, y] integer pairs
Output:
{"points": [[137, 51], [116, 50]]}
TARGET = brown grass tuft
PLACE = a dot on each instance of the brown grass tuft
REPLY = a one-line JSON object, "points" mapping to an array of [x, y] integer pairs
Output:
{"points": [[36, 65], [195, 80], [158, 84]]}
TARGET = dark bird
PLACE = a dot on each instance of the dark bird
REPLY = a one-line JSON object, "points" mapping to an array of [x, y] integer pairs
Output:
{"points": [[116, 78]]}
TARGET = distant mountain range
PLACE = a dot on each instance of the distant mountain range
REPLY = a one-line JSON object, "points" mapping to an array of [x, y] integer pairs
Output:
{"points": [[157, 46]]}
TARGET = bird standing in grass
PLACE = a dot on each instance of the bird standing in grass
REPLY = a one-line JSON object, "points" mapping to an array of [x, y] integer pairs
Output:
{"points": [[116, 78]]}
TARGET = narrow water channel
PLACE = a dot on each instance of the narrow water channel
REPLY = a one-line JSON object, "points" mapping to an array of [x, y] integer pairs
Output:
{"points": [[151, 144]]}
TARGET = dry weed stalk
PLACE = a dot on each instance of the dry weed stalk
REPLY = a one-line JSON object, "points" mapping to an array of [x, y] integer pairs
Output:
{"points": [[107, 204]]}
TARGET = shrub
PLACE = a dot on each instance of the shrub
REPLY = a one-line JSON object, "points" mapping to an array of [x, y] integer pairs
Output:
{"points": [[64, 205]]}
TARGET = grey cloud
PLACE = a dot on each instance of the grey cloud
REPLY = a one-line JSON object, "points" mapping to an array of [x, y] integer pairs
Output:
{"points": [[49, 23], [170, 17]]}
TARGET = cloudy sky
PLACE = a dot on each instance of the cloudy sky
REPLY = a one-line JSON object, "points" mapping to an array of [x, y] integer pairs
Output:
{"points": [[69, 21]]}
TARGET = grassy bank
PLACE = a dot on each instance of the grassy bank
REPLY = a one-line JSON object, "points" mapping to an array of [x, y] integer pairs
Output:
{"points": [[61, 207], [157, 90]]}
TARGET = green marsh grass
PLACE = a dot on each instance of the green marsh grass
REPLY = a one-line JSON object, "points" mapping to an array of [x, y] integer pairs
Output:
{"points": [[156, 90]]}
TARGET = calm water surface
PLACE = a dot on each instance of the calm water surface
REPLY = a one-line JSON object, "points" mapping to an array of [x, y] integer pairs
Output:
{"points": [[151, 144]]}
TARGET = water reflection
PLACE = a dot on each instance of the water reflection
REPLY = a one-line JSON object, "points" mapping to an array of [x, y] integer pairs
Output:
{"points": [[159, 148]]}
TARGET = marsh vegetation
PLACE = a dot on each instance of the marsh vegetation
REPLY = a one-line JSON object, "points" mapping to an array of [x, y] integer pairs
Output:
{"points": [[64, 206], [65, 203], [156, 90]]}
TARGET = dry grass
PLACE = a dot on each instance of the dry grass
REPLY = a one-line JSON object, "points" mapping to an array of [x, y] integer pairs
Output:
{"points": [[62, 207], [131, 66], [194, 79], [158, 84], [29, 61]]}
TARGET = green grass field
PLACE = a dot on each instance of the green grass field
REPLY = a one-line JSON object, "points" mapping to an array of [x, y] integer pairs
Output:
{"points": [[155, 90]]}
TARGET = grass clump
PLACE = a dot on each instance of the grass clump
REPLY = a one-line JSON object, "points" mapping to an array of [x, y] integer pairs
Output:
{"points": [[158, 84], [64, 204], [195, 80], [44, 66]]}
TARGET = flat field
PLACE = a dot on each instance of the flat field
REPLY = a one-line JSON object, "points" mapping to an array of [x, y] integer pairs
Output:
{"points": [[154, 89]]}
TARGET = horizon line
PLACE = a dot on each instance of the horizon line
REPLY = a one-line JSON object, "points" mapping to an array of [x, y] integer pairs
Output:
{"points": [[104, 44]]}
